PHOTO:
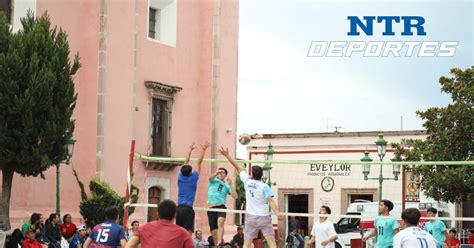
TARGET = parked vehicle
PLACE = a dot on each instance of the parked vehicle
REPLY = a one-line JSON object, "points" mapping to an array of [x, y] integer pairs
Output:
{"points": [[355, 228]]}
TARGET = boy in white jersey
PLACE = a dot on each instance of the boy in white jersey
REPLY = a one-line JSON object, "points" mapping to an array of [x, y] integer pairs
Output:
{"points": [[412, 236], [323, 233], [259, 197]]}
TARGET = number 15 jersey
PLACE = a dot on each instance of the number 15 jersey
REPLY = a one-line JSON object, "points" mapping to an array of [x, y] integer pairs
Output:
{"points": [[107, 234]]}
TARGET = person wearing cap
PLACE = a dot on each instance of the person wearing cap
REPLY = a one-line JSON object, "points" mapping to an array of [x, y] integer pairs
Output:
{"points": [[30, 240], [78, 238]]}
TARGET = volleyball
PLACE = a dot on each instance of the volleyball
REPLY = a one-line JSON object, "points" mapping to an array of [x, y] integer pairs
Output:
{"points": [[244, 139]]}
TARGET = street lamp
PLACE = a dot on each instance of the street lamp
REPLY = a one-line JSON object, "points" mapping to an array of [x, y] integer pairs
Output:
{"points": [[366, 167], [381, 152], [70, 150], [396, 168], [381, 146], [268, 166]]}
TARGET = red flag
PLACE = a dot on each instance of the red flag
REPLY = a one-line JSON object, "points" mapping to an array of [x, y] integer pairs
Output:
{"points": [[129, 178]]}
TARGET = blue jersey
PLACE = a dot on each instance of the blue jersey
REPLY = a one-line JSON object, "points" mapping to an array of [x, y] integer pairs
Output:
{"points": [[187, 188], [107, 234], [385, 232], [76, 240]]}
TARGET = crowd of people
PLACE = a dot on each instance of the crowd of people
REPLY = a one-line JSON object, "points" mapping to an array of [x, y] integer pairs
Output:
{"points": [[36, 232], [175, 224]]}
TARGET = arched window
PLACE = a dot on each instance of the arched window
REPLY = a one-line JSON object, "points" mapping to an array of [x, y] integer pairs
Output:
{"points": [[154, 197]]}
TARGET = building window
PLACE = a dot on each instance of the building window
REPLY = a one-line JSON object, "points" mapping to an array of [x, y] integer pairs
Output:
{"points": [[154, 197], [162, 15], [162, 97], [153, 29], [161, 127], [6, 8]]}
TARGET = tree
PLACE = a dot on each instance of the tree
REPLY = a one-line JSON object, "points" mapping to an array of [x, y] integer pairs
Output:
{"points": [[103, 196], [37, 99], [93, 207], [450, 132]]}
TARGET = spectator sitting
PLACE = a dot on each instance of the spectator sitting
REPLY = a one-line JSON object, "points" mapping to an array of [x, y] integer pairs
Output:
{"points": [[470, 236], [52, 231], [67, 229], [199, 242], [27, 225], [453, 241], [15, 239], [78, 238], [38, 226], [30, 240], [210, 240], [238, 240]]}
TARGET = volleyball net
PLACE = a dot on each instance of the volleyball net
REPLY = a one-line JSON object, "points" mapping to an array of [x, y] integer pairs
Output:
{"points": [[292, 175]]}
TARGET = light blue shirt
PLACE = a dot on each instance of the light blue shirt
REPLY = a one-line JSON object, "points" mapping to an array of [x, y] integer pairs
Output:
{"points": [[385, 232], [437, 229], [217, 192]]}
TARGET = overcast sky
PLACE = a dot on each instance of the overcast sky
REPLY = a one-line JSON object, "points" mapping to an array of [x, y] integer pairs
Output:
{"points": [[283, 90]]}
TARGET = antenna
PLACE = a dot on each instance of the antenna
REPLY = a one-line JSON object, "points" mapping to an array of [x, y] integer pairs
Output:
{"points": [[336, 128], [401, 123]]}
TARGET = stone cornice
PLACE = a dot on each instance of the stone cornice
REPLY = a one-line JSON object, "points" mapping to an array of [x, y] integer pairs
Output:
{"points": [[162, 88]]}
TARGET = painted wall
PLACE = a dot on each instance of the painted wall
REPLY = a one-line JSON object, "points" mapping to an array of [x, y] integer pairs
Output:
{"points": [[131, 59]]}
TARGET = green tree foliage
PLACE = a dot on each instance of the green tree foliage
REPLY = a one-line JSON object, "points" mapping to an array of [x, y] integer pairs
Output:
{"points": [[37, 100], [450, 132], [102, 196], [239, 186]]}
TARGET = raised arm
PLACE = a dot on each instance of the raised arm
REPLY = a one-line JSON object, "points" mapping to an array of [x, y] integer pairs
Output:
{"points": [[203, 152], [225, 153], [188, 157], [213, 175]]}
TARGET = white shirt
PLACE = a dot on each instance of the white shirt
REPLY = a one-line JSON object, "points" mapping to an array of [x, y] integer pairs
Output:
{"points": [[323, 231], [256, 195], [414, 237]]}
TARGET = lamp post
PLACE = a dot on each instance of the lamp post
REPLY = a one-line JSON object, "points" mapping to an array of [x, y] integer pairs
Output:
{"points": [[381, 152], [70, 150], [268, 166]]}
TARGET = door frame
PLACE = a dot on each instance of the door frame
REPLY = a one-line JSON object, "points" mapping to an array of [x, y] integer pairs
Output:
{"points": [[283, 207]]}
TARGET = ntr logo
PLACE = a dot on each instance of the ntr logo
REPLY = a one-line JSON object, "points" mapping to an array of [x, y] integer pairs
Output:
{"points": [[410, 26], [409, 23]]}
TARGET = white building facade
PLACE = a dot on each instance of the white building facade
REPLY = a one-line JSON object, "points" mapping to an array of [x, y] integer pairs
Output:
{"points": [[303, 188]]}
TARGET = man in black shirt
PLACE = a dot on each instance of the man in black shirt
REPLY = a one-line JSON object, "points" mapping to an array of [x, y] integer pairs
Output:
{"points": [[238, 240]]}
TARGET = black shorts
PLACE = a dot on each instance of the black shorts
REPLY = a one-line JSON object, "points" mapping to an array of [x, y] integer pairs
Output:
{"points": [[213, 216], [185, 217]]}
